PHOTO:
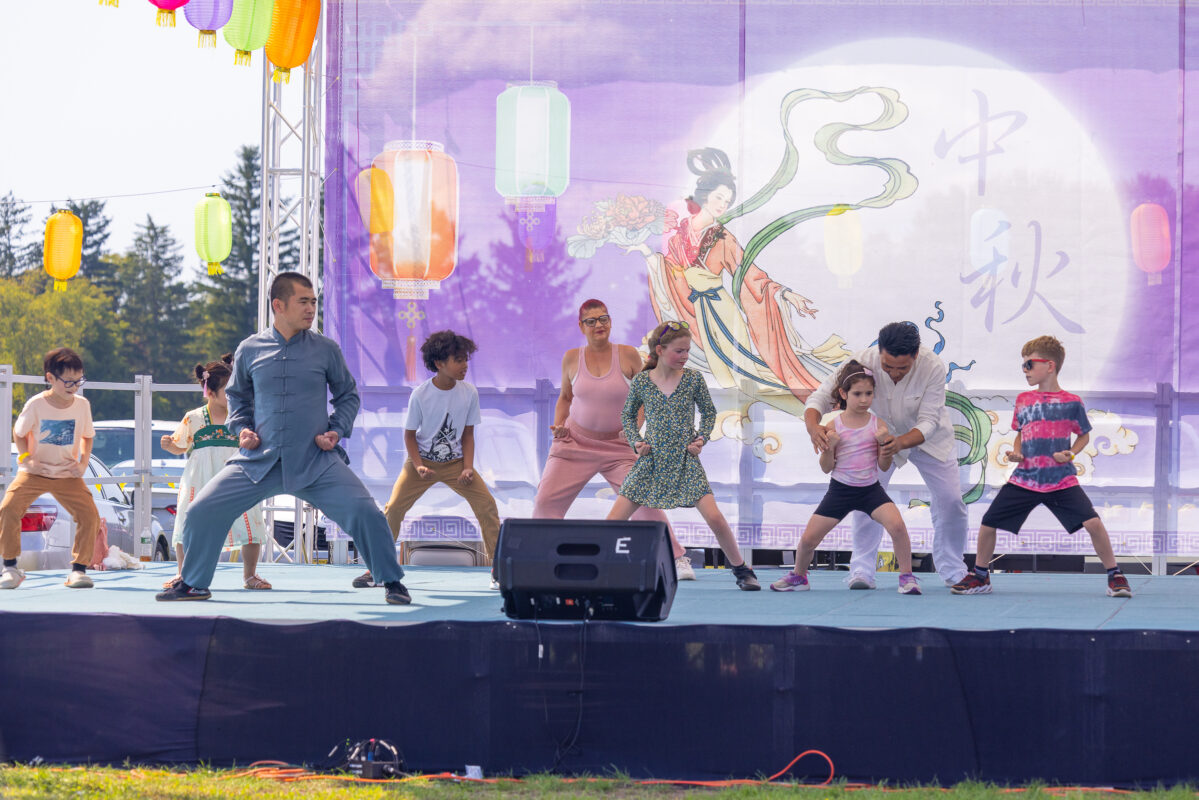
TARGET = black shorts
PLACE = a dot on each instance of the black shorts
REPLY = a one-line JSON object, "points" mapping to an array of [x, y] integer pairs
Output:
{"points": [[842, 498], [1014, 503]]}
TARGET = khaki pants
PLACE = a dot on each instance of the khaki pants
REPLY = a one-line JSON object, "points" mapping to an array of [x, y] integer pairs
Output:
{"points": [[75, 497], [410, 486]]}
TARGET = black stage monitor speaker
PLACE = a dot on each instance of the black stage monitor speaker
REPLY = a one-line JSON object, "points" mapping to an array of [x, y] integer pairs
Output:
{"points": [[594, 569]]}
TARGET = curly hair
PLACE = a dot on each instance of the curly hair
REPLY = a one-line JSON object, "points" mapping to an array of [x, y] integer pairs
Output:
{"points": [[442, 345]]}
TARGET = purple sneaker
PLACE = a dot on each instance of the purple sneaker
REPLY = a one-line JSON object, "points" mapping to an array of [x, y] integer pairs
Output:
{"points": [[908, 584], [791, 583]]}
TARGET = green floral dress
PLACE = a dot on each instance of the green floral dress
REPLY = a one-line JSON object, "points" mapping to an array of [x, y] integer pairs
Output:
{"points": [[668, 476]]}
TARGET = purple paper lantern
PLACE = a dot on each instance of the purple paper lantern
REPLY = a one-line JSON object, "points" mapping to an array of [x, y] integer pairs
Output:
{"points": [[208, 16]]}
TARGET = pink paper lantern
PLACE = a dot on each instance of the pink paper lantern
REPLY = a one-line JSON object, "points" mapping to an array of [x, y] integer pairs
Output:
{"points": [[1151, 242]]}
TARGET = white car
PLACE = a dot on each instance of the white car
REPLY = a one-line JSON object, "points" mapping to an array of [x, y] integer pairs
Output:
{"points": [[48, 531], [114, 445]]}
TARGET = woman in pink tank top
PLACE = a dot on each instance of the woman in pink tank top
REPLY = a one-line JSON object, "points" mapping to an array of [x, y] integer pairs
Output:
{"points": [[854, 459], [588, 437]]}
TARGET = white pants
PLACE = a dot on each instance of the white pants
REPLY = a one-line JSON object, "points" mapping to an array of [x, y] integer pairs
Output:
{"points": [[948, 513]]}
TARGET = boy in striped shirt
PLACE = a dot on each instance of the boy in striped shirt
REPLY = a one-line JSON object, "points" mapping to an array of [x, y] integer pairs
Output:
{"points": [[1044, 420]]}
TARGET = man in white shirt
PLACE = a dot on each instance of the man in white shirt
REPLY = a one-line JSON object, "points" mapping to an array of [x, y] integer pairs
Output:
{"points": [[909, 395]]}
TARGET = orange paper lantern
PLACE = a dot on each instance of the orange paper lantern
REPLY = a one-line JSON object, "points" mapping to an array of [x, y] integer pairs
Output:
{"points": [[293, 30], [420, 248]]}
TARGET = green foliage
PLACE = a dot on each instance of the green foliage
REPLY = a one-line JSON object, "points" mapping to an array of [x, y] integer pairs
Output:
{"points": [[34, 320], [14, 216]]}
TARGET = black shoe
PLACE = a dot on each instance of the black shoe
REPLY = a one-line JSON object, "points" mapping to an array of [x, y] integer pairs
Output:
{"points": [[397, 595], [363, 581], [181, 591], [747, 581]]}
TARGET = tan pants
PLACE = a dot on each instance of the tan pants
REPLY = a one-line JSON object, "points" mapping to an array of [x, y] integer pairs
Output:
{"points": [[75, 497], [410, 486]]}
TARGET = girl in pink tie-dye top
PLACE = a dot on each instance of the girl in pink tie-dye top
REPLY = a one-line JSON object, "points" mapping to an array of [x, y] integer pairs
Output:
{"points": [[855, 462]]}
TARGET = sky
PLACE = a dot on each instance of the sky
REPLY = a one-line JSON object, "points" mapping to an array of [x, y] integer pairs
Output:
{"points": [[100, 102]]}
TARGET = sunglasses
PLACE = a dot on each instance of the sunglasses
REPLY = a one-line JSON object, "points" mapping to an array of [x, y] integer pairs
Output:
{"points": [[1027, 365], [72, 384], [591, 322], [676, 326]]}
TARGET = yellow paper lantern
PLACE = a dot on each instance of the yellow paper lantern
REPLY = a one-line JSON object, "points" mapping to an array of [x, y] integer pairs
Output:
{"points": [[63, 250]]}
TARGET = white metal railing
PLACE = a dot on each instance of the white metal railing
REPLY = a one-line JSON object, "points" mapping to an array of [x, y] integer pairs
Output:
{"points": [[303, 543]]}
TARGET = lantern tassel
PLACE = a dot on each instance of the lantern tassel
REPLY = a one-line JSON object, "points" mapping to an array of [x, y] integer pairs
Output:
{"points": [[214, 268], [282, 75], [110, 3], [1154, 279], [166, 18], [60, 286], [241, 58], [207, 39], [410, 360]]}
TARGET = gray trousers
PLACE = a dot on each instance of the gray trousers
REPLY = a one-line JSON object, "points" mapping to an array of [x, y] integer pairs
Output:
{"points": [[337, 492]]}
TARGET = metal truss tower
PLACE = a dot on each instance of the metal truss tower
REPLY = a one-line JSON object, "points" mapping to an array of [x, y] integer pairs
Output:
{"points": [[292, 177]]}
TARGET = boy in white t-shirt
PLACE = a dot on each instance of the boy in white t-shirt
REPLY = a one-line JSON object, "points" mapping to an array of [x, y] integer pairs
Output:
{"points": [[54, 441], [440, 439]]}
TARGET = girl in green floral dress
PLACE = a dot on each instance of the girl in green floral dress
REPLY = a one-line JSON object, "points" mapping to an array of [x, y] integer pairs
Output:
{"points": [[667, 473]]}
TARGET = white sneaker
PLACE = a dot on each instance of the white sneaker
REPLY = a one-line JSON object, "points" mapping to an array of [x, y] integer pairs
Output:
{"points": [[79, 580], [11, 577], [682, 567], [860, 580], [495, 584]]}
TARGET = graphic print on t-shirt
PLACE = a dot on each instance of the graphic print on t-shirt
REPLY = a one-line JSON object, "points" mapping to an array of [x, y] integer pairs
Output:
{"points": [[442, 447], [58, 432]]}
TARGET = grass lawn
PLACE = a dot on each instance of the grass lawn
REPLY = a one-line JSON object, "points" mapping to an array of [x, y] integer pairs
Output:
{"points": [[119, 784]]}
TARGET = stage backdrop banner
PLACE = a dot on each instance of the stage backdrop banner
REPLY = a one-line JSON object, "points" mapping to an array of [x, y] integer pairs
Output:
{"points": [[786, 178]]}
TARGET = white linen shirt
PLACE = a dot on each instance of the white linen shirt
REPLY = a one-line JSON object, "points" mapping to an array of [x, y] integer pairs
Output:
{"points": [[917, 401]]}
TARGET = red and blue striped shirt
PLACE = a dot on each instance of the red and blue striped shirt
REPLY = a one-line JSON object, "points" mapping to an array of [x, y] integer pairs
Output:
{"points": [[1046, 421]]}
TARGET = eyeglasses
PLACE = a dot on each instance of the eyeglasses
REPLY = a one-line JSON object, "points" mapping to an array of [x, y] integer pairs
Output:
{"points": [[591, 322], [72, 384], [1027, 365]]}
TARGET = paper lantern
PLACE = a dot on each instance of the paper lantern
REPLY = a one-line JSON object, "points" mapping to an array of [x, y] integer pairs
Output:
{"points": [[248, 27], [63, 249], [532, 140], [419, 248], [1151, 246], [843, 244], [214, 231], [293, 30], [376, 200], [536, 225], [208, 16], [166, 11]]}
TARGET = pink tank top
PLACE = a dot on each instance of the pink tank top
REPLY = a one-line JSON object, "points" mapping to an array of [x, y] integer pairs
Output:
{"points": [[857, 454], [598, 402]]}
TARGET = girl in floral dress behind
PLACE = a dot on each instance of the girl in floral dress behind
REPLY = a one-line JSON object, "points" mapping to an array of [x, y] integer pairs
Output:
{"points": [[667, 473], [202, 435]]}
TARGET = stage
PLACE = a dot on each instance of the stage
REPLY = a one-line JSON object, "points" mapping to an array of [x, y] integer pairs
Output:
{"points": [[1047, 678]]}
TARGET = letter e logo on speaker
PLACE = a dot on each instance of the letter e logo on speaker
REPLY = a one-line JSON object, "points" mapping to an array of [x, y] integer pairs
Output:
{"points": [[622, 544]]}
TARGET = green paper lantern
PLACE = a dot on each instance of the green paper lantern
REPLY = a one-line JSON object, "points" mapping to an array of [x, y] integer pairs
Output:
{"points": [[532, 140], [214, 231], [248, 27]]}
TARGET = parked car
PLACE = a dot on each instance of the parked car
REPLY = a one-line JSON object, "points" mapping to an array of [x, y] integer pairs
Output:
{"points": [[114, 445], [48, 531]]}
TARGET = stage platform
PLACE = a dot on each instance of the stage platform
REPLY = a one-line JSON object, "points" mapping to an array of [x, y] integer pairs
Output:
{"points": [[1046, 679]]}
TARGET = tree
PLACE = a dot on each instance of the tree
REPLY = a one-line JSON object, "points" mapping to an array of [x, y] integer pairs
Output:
{"points": [[153, 310], [14, 216], [35, 320], [225, 309]]}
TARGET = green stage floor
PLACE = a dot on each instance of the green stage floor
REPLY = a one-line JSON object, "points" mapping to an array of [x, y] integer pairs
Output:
{"points": [[317, 593]]}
